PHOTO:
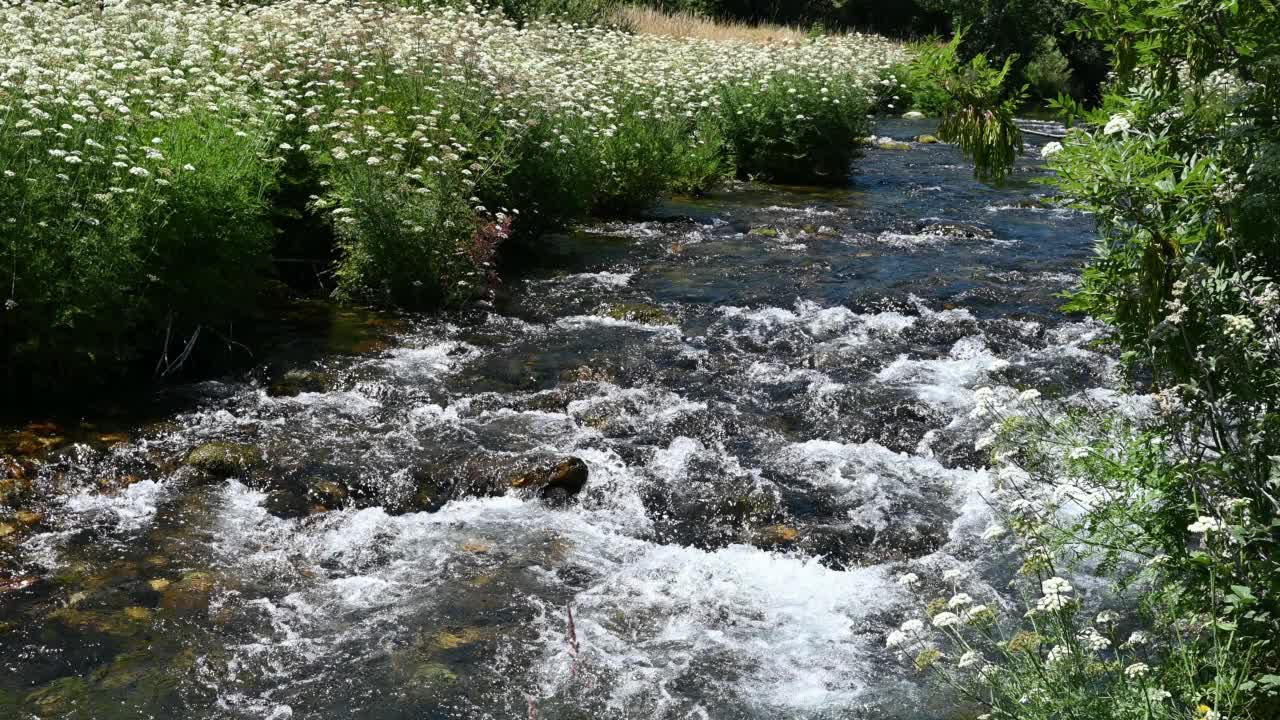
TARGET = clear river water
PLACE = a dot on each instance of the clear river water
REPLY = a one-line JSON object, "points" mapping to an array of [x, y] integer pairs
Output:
{"points": [[770, 390]]}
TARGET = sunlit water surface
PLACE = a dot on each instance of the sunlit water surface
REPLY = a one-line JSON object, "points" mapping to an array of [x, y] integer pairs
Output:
{"points": [[771, 389]]}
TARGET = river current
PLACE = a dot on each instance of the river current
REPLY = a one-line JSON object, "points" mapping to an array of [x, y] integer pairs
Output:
{"points": [[771, 392]]}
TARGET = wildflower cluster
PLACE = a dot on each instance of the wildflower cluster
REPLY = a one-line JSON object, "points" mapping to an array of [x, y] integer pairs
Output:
{"points": [[152, 150], [1169, 500]]}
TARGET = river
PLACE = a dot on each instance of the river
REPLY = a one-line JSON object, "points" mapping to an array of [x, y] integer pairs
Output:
{"points": [[770, 390]]}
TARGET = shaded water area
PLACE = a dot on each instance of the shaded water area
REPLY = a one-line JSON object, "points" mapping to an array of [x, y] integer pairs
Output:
{"points": [[769, 391]]}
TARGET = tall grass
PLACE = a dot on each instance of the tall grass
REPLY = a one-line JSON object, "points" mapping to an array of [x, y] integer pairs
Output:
{"points": [[683, 24], [149, 150]]}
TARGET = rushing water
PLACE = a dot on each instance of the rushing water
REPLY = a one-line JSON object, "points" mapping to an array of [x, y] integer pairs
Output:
{"points": [[771, 390]]}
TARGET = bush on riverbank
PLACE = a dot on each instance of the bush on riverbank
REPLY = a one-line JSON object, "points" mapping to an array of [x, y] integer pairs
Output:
{"points": [[794, 128], [149, 150], [1164, 507]]}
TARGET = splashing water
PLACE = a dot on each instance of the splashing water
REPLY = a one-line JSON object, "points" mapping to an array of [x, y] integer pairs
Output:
{"points": [[773, 426]]}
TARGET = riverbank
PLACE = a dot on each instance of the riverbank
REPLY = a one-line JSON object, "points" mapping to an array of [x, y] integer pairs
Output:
{"points": [[163, 159]]}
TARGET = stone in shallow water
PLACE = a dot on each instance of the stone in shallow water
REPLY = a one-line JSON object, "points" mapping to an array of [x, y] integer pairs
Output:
{"points": [[190, 593], [454, 639], [928, 140], [224, 458], [59, 697], [775, 536], [639, 312], [296, 382], [567, 477]]}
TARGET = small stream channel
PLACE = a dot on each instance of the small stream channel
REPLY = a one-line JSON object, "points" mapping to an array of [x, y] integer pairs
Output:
{"points": [[769, 390]]}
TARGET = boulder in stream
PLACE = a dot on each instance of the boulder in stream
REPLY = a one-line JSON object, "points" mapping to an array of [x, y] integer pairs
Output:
{"points": [[225, 459], [557, 482]]}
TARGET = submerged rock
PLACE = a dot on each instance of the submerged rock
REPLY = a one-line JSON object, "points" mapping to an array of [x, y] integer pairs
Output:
{"points": [[59, 698], [965, 231], [454, 639], [296, 382], [764, 232], [225, 459], [639, 312], [887, 143], [190, 593], [328, 494], [775, 536]]}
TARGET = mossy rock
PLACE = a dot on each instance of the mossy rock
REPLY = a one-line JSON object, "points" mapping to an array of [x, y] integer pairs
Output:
{"points": [[641, 313], [190, 593], [107, 622], [775, 536], [328, 494], [296, 382], [765, 232], [454, 639], [893, 145], [58, 698], [225, 459], [913, 115], [928, 140]]}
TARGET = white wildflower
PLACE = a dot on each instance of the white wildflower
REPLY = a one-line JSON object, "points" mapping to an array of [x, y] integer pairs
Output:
{"points": [[1055, 586], [1092, 639], [1050, 149], [1137, 670], [1205, 525], [1117, 124], [1057, 654], [946, 620]]}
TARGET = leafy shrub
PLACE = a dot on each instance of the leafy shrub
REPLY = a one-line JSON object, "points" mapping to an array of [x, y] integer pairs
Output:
{"points": [[110, 260], [1049, 72], [978, 110], [795, 129], [1175, 508]]}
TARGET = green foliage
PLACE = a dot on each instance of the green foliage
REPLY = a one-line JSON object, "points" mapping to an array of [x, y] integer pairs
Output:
{"points": [[1177, 508], [794, 129], [1049, 72], [169, 241], [978, 113], [149, 176], [911, 86]]}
